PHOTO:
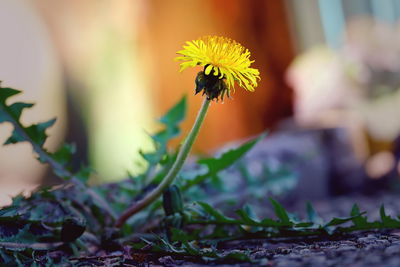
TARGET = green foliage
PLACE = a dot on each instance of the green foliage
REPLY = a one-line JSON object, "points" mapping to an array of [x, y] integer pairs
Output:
{"points": [[68, 218], [171, 121], [36, 135], [280, 212], [216, 165], [246, 225], [40, 223], [49, 218]]}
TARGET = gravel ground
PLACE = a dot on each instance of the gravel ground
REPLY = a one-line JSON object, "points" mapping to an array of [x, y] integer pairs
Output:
{"points": [[363, 249], [372, 248], [368, 248]]}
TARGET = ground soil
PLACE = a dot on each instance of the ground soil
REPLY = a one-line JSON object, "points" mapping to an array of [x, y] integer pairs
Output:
{"points": [[370, 248]]}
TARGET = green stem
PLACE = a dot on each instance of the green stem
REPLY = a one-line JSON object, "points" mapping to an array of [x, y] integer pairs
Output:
{"points": [[173, 172]]}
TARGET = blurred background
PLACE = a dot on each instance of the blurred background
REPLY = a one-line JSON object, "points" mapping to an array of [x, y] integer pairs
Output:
{"points": [[105, 69]]}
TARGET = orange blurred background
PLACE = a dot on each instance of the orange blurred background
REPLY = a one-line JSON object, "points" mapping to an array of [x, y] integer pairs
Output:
{"points": [[115, 61], [157, 29], [106, 69]]}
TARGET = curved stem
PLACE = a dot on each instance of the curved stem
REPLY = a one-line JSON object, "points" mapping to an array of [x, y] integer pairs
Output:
{"points": [[173, 172]]}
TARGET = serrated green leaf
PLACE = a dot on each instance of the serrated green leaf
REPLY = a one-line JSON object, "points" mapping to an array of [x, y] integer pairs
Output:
{"points": [[304, 224], [382, 213], [267, 222], [176, 114], [36, 135], [6, 93], [15, 137], [217, 215], [17, 108], [247, 215], [355, 210], [388, 221], [171, 121], [337, 221], [280, 212], [358, 220], [64, 154], [84, 174], [37, 132], [215, 165]]}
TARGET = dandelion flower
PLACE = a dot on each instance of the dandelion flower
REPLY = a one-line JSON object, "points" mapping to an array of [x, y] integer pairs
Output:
{"points": [[224, 60]]}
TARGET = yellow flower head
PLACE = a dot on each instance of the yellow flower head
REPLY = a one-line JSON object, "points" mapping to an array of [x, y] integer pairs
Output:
{"points": [[224, 61]]}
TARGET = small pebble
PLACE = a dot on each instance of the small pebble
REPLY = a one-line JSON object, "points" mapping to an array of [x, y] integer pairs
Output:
{"points": [[383, 242], [372, 259], [348, 242], [287, 262], [316, 261], [393, 262], [315, 246], [283, 250], [277, 257], [304, 251], [259, 254], [294, 256], [374, 246], [366, 239], [329, 253], [346, 248], [392, 250], [166, 260]]}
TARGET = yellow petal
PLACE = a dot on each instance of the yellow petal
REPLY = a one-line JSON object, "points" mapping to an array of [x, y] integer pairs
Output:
{"points": [[208, 69]]}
